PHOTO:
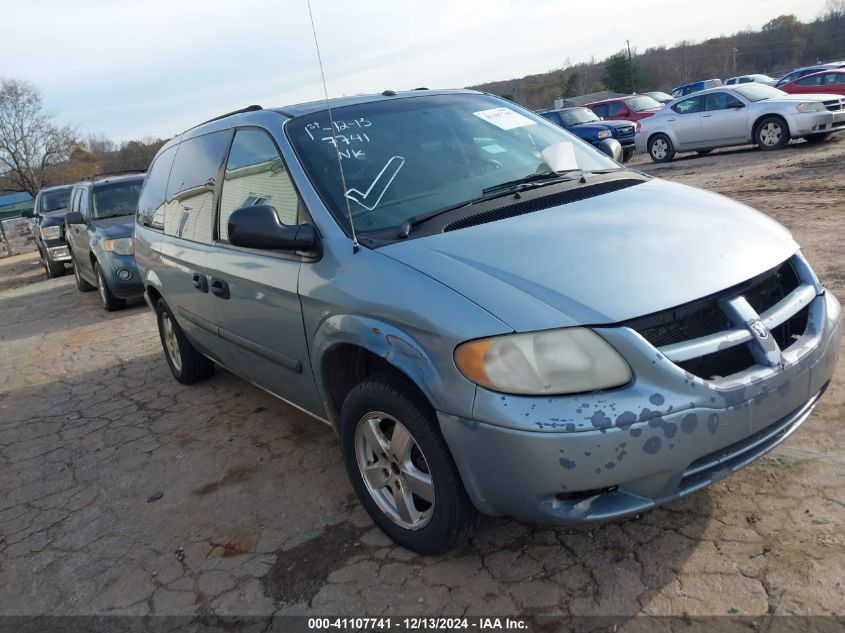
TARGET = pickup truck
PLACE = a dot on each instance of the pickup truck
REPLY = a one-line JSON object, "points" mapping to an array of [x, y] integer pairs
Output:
{"points": [[585, 124]]}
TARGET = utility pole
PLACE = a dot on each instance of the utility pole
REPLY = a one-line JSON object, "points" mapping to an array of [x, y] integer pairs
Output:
{"points": [[735, 52], [630, 65]]}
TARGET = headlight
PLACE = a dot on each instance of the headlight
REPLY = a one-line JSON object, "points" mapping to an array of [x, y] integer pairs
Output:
{"points": [[122, 246], [51, 232], [570, 360], [812, 106], [605, 134]]}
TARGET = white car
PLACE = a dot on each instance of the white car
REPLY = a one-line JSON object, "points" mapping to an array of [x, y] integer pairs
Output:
{"points": [[739, 115], [747, 79]]}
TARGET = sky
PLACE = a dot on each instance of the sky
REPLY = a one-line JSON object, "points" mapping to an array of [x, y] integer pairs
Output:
{"points": [[129, 70]]}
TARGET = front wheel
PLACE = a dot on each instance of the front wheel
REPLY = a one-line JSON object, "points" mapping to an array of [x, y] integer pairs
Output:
{"points": [[400, 467], [660, 148], [110, 302], [771, 133], [627, 152]]}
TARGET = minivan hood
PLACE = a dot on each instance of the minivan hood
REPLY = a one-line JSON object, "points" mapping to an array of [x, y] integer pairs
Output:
{"points": [[114, 228], [605, 259]]}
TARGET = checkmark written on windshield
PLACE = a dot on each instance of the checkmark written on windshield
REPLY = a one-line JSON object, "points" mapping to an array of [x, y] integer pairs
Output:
{"points": [[371, 198]]}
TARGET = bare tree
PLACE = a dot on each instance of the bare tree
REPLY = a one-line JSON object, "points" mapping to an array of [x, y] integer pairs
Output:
{"points": [[29, 140]]}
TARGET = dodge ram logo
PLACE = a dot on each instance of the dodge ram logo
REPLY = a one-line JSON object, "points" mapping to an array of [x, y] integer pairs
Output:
{"points": [[760, 329]]}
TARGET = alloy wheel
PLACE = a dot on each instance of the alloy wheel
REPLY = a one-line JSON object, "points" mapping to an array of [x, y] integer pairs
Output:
{"points": [[770, 134], [101, 286], [394, 470], [171, 343]]}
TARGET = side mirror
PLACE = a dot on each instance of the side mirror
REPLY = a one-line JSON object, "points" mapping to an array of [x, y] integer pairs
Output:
{"points": [[736, 105], [74, 217], [258, 226], [28, 213]]}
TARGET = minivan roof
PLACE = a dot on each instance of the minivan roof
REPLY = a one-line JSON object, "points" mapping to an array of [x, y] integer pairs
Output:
{"points": [[311, 107]]}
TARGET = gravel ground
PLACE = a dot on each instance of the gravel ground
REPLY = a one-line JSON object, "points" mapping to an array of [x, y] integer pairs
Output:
{"points": [[126, 492]]}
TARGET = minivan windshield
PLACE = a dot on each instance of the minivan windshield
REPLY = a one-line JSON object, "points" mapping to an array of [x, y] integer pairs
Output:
{"points": [[411, 156], [55, 200], [114, 199], [758, 92]]}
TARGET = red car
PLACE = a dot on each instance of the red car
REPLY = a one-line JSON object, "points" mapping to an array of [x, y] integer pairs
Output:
{"points": [[823, 82], [633, 108]]}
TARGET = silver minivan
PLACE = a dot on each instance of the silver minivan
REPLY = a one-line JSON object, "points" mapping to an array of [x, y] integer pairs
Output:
{"points": [[493, 316]]}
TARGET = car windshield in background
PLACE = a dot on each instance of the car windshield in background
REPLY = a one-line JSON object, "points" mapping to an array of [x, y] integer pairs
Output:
{"points": [[54, 200], [119, 198], [406, 157], [758, 92], [659, 95], [578, 115], [642, 102]]}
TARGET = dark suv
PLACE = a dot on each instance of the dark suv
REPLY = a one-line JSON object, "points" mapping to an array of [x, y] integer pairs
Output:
{"points": [[99, 232], [49, 210]]}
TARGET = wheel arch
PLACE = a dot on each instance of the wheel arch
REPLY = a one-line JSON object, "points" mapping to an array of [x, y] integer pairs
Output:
{"points": [[760, 119], [348, 349]]}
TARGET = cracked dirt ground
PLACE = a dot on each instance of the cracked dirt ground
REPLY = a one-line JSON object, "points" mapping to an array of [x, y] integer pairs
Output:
{"points": [[126, 492]]}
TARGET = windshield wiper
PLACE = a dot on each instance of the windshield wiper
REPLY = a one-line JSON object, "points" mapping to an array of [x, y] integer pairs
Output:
{"points": [[531, 181]]}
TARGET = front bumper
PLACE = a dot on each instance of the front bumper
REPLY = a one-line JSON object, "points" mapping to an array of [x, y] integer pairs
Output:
{"points": [[56, 250], [807, 123], [122, 276], [570, 459]]}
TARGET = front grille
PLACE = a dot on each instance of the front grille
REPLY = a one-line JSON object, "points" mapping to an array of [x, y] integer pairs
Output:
{"points": [[705, 316], [708, 317], [835, 105], [625, 132]]}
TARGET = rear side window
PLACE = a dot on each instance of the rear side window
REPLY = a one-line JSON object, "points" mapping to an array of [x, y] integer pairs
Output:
{"points": [[151, 201], [190, 190], [255, 174]]}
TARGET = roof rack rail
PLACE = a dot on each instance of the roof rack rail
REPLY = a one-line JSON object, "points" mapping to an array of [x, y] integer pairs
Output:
{"points": [[114, 173], [251, 108]]}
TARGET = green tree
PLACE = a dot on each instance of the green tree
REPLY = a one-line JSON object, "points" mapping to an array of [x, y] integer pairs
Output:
{"points": [[620, 75]]}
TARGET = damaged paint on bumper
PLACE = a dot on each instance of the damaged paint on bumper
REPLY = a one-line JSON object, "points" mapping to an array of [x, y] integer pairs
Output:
{"points": [[570, 459]]}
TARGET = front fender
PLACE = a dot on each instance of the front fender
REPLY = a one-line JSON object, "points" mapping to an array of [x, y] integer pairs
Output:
{"points": [[398, 348]]}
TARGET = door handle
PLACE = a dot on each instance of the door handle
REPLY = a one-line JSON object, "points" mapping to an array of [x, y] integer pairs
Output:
{"points": [[200, 282], [219, 288], [706, 115], [671, 118]]}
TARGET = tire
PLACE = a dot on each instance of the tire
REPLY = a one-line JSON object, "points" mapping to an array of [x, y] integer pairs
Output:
{"points": [[660, 148], [771, 133], [81, 284], [186, 363], [109, 301], [816, 138], [370, 416], [627, 152], [704, 152]]}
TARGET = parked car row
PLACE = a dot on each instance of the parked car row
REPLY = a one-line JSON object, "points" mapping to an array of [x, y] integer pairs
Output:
{"points": [[89, 225]]}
